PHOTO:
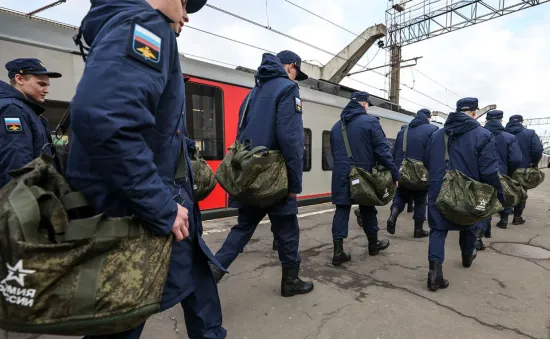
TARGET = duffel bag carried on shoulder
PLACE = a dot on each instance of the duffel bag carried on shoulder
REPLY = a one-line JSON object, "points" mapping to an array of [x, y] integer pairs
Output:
{"points": [[375, 188], [464, 201], [412, 174], [204, 179], [528, 178], [256, 177], [86, 276], [513, 192]]}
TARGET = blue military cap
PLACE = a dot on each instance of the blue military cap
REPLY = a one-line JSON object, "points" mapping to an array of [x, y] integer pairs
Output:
{"points": [[361, 96], [28, 66], [425, 112], [467, 104], [516, 117], [194, 6], [495, 115], [289, 57]]}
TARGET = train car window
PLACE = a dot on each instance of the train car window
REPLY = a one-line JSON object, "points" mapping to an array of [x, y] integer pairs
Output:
{"points": [[204, 118], [307, 150], [326, 159]]}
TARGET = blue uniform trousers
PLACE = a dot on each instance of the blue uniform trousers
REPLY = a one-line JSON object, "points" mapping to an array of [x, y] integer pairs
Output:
{"points": [[436, 250], [341, 220], [285, 229], [404, 196], [202, 310]]}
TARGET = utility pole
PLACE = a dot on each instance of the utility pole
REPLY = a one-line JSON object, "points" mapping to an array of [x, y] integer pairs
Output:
{"points": [[395, 73]]}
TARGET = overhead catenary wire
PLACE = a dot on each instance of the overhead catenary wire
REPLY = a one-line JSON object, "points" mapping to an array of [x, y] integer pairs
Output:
{"points": [[447, 89], [230, 39], [311, 45]]}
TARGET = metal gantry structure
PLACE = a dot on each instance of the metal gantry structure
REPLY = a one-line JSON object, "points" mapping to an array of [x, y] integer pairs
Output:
{"points": [[411, 21], [537, 121]]}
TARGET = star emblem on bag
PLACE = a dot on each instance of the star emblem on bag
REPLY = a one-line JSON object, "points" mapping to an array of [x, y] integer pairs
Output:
{"points": [[17, 273]]}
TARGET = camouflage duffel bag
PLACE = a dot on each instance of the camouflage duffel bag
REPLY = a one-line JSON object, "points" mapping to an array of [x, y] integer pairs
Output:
{"points": [[256, 177], [88, 276], [204, 179], [528, 178], [413, 175], [374, 188], [513, 192], [464, 201]]}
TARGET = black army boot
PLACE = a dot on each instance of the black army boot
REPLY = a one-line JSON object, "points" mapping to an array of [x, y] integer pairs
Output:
{"points": [[419, 232], [292, 285], [487, 233], [358, 216], [216, 272], [435, 277], [275, 245], [480, 246], [468, 259], [518, 219], [376, 245], [503, 222], [339, 256], [392, 220]]}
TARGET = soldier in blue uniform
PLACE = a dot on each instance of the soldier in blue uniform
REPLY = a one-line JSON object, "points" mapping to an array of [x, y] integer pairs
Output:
{"points": [[419, 132], [472, 151], [368, 145], [274, 120], [24, 133], [531, 151], [509, 159], [127, 140]]}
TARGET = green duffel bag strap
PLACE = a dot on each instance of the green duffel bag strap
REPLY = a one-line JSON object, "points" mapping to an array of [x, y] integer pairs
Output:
{"points": [[447, 158], [182, 170], [406, 133], [346, 142], [243, 155]]}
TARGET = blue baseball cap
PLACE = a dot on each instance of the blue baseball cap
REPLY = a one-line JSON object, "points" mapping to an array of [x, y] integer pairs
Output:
{"points": [[28, 66], [193, 6], [467, 104], [516, 117], [495, 115], [289, 57], [361, 96]]}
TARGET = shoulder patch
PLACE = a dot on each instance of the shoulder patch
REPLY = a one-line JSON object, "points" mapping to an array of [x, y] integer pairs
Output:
{"points": [[298, 105], [145, 46], [13, 125]]}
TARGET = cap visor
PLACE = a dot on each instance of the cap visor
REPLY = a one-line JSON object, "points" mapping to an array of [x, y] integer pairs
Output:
{"points": [[193, 6], [301, 76], [50, 74], [53, 74]]}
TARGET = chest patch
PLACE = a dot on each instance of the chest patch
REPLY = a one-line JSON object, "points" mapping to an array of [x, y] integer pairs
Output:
{"points": [[145, 46], [13, 125], [298, 105]]}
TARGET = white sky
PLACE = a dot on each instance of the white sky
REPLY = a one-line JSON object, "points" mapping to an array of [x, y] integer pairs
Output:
{"points": [[502, 61]]}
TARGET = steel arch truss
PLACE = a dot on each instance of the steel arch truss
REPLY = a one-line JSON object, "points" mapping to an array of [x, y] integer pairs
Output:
{"points": [[452, 17]]}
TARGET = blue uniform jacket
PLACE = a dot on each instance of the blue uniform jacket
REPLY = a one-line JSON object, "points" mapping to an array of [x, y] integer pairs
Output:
{"points": [[128, 124], [274, 120], [368, 145], [509, 154], [420, 131], [472, 151], [529, 144], [23, 134]]}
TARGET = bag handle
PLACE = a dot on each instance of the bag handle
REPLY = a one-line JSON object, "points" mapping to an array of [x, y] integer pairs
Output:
{"points": [[244, 113], [405, 141], [346, 142], [447, 159], [100, 228]]}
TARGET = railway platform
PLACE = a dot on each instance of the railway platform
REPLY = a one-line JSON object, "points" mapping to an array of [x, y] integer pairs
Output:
{"points": [[505, 294]]}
